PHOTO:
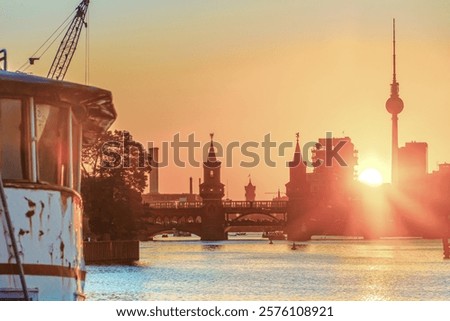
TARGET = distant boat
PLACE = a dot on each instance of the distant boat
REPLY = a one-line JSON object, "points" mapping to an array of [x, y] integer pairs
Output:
{"points": [[275, 235], [182, 233]]}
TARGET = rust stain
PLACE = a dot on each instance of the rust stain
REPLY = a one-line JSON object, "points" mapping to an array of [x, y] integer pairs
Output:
{"points": [[30, 213], [31, 204], [41, 213], [49, 205], [23, 232], [50, 251], [61, 248]]}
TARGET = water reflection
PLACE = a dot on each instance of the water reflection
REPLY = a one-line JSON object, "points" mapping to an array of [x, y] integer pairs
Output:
{"points": [[211, 247], [255, 270]]}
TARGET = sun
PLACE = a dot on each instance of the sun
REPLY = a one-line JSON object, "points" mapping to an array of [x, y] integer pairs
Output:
{"points": [[371, 176]]}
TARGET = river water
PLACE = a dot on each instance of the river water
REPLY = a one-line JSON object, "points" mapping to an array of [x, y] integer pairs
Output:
{"points": [[249, 268]]}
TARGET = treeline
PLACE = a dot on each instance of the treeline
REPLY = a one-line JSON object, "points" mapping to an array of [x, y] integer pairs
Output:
{"points": [[113, 178]]}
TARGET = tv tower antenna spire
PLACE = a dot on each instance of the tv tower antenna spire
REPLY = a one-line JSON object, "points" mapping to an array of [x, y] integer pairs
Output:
{"points": [[394, 106]]}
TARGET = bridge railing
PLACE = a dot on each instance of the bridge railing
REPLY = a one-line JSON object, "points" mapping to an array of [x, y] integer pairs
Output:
{"points": [[256, 204], [282, 205], [174, 205]]}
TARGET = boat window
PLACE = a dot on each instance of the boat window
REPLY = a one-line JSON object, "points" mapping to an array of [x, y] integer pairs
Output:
{"points": [[52, 144], [12, 155]]}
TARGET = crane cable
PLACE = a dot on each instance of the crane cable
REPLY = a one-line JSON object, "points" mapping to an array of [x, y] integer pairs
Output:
{"points": [[28, 63]]}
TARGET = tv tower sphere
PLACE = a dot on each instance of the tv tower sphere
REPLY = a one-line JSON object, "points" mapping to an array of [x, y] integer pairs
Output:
{"points": [[394, 105]]}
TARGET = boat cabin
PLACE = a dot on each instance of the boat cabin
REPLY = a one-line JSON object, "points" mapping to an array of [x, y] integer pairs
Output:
{"points": [[43, 125]]}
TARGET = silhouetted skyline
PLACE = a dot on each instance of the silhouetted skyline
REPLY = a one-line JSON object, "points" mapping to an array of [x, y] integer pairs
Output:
{"points": [[245, 68]]}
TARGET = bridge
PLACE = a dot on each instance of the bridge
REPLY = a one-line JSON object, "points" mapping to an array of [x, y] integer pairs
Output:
{"points": [[213, 217], [164, 217]]}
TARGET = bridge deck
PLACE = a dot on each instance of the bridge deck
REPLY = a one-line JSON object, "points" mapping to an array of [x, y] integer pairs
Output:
{"points": [[229, 206]]}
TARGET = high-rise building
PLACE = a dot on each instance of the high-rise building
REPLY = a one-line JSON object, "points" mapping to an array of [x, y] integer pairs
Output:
{"points": [[412, 163], [335, 159]]}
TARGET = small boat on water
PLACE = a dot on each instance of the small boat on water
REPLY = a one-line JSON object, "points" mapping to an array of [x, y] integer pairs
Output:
{"points": [[274, 235], [43, 124], [181, 233]]}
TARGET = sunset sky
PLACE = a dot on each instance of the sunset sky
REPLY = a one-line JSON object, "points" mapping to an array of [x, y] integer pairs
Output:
{"points": [[243, 69]]}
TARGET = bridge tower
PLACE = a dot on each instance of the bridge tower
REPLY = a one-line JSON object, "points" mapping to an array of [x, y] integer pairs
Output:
{"points": [[296, 190], [250, 191], [212, 192]]}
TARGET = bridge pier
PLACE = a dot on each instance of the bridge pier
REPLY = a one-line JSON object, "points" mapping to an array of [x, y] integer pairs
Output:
{"points": [[213, 222], [296, 227]]}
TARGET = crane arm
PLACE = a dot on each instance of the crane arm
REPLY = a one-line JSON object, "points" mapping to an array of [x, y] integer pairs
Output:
{"points": [[69, 43]]}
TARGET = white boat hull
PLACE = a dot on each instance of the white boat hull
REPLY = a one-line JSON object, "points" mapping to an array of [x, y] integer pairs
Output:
{"points": [[48, 228]]}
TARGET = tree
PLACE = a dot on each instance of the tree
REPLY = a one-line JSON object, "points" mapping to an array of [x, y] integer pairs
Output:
{"points": [[114, 174]]}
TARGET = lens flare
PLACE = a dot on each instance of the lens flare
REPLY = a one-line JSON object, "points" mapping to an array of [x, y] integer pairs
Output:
{"points": [[371, 176]]}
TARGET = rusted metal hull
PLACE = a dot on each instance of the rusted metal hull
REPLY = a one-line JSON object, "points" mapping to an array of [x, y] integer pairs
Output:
{"points": [[48, 228]]}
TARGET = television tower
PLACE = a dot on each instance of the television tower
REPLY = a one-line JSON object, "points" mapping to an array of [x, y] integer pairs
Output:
{"points": [[394, 106]]}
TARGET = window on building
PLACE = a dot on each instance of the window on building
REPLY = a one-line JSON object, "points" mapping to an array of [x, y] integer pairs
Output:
{"points": [[211, 173]]}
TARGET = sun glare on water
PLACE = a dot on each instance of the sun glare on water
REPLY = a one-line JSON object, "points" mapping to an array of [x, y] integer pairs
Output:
{"points": [[370, 176]]}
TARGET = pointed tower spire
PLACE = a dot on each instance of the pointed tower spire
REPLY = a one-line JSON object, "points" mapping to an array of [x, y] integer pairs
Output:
{"points": [[212, 152], [297, 155], [297, 173]]}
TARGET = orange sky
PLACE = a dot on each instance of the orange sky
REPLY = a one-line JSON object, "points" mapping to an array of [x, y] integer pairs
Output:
{"points": [[243, 69]]}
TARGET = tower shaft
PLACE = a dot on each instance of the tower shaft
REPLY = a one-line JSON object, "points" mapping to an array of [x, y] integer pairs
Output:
{"points": [[394, 171]]}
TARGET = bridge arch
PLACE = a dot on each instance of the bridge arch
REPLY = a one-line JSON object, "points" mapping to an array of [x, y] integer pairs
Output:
{"points": [[274, 218], [196, 230]]}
